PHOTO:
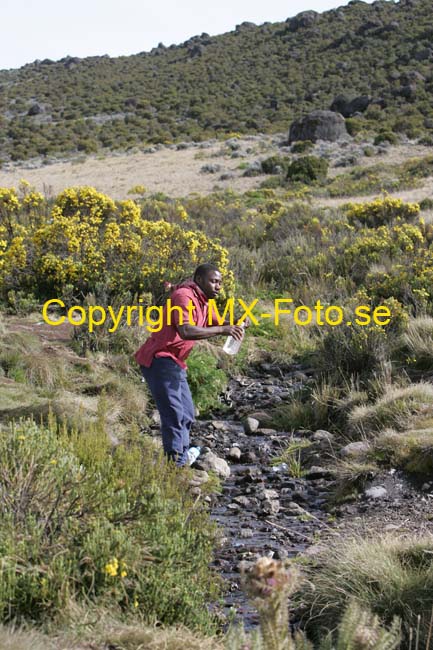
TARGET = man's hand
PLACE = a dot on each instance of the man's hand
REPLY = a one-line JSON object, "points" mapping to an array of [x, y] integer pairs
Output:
{"points": [[234, 330]]}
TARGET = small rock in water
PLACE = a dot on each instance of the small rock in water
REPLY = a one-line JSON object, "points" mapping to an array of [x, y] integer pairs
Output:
{"points": [[211, 462], [251, 425], [242, 501], [318, 472], [234, 454]]}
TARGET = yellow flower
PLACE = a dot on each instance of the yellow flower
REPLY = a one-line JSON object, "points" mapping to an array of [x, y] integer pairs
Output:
{"points": [[111, 567]]}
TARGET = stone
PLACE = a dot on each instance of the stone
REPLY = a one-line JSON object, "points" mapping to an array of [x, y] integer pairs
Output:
{"points": [[376, 492], [210, 168], [322, 436], [302, 20], [211, 462], [220, 425], [318, 125], [318, 472], [355, 449], [242, 501], [199, 477], [251, 425], [271, 507], [35, 109], [294, 509], [234, 454], [348, 107], [264, 418]]}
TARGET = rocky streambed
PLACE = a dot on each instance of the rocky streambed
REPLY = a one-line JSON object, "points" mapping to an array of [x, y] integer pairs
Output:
{"points": [[268, 508], [264, 509]]}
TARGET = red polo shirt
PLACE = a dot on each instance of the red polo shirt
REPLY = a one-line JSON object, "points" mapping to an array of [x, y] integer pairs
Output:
{"points": [[167, 342]]}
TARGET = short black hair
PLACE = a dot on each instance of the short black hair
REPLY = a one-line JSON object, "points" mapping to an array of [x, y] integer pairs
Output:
{"points": [[202, 270]]}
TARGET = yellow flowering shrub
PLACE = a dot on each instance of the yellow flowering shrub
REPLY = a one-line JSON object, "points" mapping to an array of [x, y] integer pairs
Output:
{"points": [[88, 241], [381, 212]]}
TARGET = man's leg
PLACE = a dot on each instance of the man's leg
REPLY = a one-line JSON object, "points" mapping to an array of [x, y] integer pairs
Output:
{"points": [[188, 412], [166, 380]]}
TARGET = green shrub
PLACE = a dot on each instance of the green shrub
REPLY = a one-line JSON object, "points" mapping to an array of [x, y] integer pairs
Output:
{"points": [[426, 204], [84, 522], [301, 146], [205, 379], [386, 136], [307, 169], [275, 165]]}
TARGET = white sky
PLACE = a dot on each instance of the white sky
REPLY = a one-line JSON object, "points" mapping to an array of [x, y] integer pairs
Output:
{"points": [[39, 29]]}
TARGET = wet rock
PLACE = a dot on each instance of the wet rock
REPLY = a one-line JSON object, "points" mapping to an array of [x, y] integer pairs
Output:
{"points": [[264, 418], [251, 425], [319, 472], [249, 457], [271, 507], [209, 461], [250, 475], [376, 492], [355, 449], [294, 509], [322, 435], [242, 501], [268, 494], [219, 425], [234, 454]]}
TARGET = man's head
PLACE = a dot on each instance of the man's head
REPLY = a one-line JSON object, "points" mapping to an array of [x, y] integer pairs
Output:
{"points": [[208, 278]]}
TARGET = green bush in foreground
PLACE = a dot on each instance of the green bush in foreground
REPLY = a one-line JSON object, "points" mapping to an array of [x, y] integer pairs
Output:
{"points": [[81, 521]]}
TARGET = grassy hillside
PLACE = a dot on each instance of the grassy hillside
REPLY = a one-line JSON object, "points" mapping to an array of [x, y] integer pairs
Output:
{"points": [[256, 78]]}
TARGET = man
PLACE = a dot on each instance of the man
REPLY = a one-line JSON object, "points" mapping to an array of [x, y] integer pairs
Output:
{"points": [[162, 357]]}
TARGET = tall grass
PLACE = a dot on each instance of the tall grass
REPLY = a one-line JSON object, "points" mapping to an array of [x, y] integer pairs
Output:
{"points": [[391, 576]]}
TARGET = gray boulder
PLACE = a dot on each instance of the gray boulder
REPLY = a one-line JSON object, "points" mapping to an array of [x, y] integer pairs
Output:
{"points": [[355, 449], [251, 425], [348, 107], [211, 462], [318, 125], [302, 20]]}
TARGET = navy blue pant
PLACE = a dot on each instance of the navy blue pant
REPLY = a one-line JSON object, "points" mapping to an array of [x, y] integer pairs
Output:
{"points": [[169, 387]]}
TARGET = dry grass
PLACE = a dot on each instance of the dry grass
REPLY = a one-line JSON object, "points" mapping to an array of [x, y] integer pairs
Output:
{"points": [[411, 450], [396, 409], [418, 342], [176, 173], [388, 575]]}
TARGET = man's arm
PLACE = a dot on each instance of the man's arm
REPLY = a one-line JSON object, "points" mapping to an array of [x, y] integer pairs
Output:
{"points": [[195, 333]]}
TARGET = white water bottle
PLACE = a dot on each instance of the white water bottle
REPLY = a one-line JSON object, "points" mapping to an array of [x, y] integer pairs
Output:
{"points": [[232, 345]]}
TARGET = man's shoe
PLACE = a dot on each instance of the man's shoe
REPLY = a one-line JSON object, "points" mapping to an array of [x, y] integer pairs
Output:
{"points": [[192, 454]]}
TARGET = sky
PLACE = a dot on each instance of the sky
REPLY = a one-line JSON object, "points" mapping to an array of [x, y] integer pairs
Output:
{"points": [[52, 29]]}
